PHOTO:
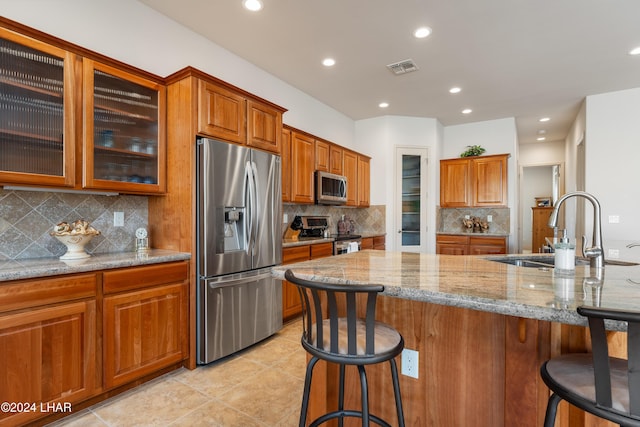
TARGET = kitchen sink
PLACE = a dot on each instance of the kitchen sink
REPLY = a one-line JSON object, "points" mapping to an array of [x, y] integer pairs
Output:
{"points": [[537, 261]]}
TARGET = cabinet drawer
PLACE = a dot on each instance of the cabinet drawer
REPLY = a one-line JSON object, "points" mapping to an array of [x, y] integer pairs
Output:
{"points": [[295, 254], [36, 292], [451, 238], [142, 277], [379, 242], [321, 250], [487, 241]]}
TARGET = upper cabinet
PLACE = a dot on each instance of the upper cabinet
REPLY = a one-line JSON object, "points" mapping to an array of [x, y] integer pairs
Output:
{"points": [[474, 182], [123, 130], [67, 121], [335, 159], [322, 155], [235, 117], [364, 179], [285, 165], [350, 170], [38, 102], [302, 163]]}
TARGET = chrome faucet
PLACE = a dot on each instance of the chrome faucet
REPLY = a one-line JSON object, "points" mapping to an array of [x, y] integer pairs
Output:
{"points": [[595, 253]]}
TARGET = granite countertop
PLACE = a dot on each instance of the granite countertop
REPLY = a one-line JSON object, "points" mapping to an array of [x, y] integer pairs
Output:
{"points": [[288, 243], [40, 267], [474, 233], [474, 282]]}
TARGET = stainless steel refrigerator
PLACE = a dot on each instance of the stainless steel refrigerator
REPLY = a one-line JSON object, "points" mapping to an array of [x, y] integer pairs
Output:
{"points": [[239, 223]]}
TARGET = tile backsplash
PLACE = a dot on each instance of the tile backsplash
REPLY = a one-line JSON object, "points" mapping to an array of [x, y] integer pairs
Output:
{"points": [[449, 220], [27, 218], [369, 220]]}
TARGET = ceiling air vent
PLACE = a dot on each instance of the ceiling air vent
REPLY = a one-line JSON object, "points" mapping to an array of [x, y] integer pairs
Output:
{"points": [[403, 67]]}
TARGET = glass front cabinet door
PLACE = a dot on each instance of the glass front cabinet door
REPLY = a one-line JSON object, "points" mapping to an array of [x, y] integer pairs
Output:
{"points": [[124, 141], [37, 102]]}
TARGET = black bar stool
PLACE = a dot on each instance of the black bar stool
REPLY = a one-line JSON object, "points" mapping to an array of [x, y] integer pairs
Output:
{"points": [[339, 326], [605, 386]]}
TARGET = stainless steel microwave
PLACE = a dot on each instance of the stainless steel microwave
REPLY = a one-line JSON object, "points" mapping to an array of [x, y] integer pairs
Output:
{"points": [[331, 189]]}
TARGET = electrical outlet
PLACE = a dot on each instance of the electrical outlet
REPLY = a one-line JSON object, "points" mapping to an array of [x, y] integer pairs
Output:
{"points": [[467, 216], [409, 363], [614, 219], [285, 218], [118, 219], [613, 253], [489, 218]]}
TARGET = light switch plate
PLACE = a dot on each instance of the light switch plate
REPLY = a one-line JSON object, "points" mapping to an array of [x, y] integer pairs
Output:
{"points": [[614, 219]]}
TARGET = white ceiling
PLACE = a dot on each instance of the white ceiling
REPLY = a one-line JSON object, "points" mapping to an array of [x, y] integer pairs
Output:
{"points": [[512, 58]]}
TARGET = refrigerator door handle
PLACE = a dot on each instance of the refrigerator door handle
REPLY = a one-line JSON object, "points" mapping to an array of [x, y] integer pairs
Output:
{"points": [[251, 206], [255, 221], [248, 198]]}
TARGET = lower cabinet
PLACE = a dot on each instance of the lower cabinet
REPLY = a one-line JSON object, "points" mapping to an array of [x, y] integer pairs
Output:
{"points": [[453, 244], [47, 351], [62, 342], [145, 327], [291, 304], [375, 242]]}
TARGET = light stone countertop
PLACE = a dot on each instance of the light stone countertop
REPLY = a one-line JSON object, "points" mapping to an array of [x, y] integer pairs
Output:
{"points": [[41, 267], [476, 283]]}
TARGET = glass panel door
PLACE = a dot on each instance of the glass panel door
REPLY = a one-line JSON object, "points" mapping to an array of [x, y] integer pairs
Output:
{"points": [[125, 119], [411, 198], [32, 113]]}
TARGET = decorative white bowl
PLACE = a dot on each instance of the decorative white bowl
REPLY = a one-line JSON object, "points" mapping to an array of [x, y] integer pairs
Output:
{"points": [[75, 244]]}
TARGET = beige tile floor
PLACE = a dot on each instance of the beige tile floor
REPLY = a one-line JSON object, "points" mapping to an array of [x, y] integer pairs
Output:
{"points": [[260, 386]]}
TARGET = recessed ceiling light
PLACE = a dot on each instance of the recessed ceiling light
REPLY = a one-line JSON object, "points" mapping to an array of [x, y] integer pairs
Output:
{"points": [[544, 119], [540, 138], [252, 5], [422, 32], [467, 111], [328, 62], [383, 105], [455, 89], [635, 51]]}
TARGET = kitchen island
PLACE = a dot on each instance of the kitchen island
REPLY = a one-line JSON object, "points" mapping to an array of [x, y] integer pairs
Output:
{"points": [[482, 329]]}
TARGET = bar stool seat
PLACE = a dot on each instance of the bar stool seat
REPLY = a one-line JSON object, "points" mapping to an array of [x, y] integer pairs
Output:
{"points": [[339, 326], [608, 387]]}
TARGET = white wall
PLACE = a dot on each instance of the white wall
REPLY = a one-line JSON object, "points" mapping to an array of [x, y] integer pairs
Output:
{"points": [[378, 137], [497, 137], [612, 164], [133, 33]]}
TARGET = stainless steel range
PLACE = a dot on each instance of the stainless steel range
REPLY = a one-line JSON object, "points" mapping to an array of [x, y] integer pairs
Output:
{"points": [[315, 227]]}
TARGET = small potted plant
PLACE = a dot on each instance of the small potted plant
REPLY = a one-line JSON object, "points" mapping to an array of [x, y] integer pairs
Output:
{"points": [[473, 150]]}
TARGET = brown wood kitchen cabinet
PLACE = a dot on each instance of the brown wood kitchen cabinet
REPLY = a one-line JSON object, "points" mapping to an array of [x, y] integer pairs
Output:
{"points": [[302, 164], [379, 243], [291, 304], [285, 164], [322, 155], [455, 244], [232, 116], [364, 179], [474, 181], [145, 320], [540, 227], [335, 159], [48, 342], [350, 169], [80, 120]]}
